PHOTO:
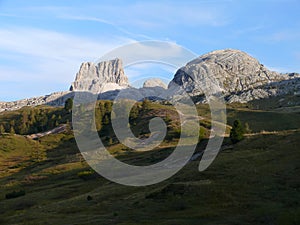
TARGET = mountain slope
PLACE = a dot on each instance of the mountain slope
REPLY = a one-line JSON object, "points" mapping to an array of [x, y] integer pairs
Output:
{"points": [[256, 182], [240, 76]]}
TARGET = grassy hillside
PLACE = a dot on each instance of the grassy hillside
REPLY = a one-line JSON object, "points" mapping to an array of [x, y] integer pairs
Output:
{"points": [[254, 182]]}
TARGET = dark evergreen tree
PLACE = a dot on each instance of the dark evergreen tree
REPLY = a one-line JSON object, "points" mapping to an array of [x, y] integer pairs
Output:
{"points": [[237, 132], [108, 107], [134, 113], [98, 119], [69, 105], [247, 128], [106, 120], [22, 128], [12, 130], [146, 105], [2, 129]]}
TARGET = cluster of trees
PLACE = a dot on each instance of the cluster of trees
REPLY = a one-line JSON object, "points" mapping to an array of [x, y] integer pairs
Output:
{"points": [[104, 113], [40, 119], [34, 120]]}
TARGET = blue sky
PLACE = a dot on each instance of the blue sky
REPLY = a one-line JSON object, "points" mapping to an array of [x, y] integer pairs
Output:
{"points": [[42, 43]]}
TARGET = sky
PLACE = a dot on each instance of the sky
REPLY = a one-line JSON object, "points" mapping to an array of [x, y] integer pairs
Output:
{"points": [[43, 43]]}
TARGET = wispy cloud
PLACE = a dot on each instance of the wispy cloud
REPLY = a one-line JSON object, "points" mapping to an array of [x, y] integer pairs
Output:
{"points": [[278, 69], [147, 69], [100, 20], [146, 15], [247, 30], [297, 55], [281, 35], [52, 44], [49, 55], [162, 14], [86, 18]]}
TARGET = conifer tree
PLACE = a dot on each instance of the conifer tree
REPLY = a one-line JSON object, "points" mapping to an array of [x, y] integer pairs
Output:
{"points": [[2, 129], [237, 132]]}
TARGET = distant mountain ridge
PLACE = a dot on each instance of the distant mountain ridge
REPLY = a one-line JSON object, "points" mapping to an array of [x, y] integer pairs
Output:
{"points": [[241, 78]]}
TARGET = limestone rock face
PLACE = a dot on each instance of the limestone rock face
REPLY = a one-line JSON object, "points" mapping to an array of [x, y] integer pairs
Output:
{"points": [[100, 77], [154, 82], [54, 99], [241, 78]]}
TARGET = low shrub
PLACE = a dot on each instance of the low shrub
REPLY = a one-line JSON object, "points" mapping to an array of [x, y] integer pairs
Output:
{"points": [[15, 194], [87, 174]]}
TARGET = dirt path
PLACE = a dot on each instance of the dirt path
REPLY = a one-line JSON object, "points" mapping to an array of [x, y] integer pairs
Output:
{"points": [[56, 130]]}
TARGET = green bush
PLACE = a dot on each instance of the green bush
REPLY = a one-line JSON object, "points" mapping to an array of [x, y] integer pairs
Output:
{"points": [[69, 105], [87, 174], [237, 132], [15, 194]]}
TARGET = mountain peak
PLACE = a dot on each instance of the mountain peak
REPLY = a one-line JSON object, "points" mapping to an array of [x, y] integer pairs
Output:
{"points": [[154, 82], [94, 76], [234, 71]]}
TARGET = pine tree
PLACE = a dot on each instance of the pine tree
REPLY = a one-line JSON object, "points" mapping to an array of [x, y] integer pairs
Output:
{"points": [[146, 105], [247, 128], [134, 113], [237, 132], [106, 120], [23, 129], [12, 130], [98, 119], [108, 107], [69, 105], [2, 129], [168, 118], [43, 122], [102, 108], [24, 117]]}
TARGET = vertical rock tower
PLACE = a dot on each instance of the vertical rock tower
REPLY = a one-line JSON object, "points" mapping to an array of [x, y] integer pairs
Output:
{"points": [[100, 77]]}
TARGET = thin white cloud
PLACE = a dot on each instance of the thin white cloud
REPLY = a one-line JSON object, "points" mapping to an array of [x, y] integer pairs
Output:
{"points": [[51, 44], [281, 35], [100, 20], [49, 56], [278, 69], [297, 55], [147, 69], [146, 15], [155, 51], [8, 15], [247, 30], [86, 18], [164, 14]]}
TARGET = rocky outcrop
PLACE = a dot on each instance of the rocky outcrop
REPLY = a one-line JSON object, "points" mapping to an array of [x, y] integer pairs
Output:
{"points": [[290, 86], [241, 78], [154, 82], [100, 77], [54, 99]]}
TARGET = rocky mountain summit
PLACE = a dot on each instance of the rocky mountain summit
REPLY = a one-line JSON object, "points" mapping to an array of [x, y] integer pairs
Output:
{"points": [[241, 77], [154, 82], [100, 77]]}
